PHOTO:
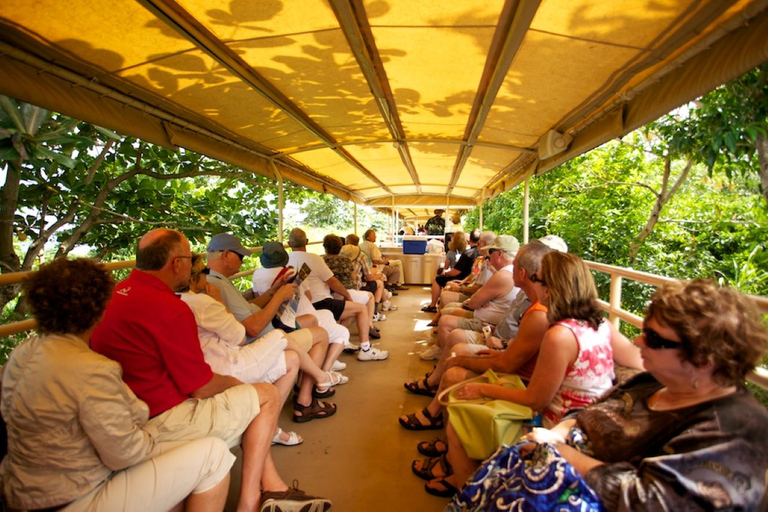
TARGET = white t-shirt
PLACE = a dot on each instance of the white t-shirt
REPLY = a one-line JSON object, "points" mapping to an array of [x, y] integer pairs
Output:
{"points": [[371, 250], [319, 273], [219, 331]]}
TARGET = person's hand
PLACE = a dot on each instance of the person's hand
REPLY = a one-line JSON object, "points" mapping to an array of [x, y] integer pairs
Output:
{"points": [[543, 435], [494, 342], [469, 392], [213, 292], [285, 292], [283, 279]]}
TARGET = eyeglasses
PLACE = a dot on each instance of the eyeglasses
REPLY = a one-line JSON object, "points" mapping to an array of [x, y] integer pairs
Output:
{"points": [[238, 255], [491, 251], [184, 257], [206, 271], [537, 279], [655, 341]]}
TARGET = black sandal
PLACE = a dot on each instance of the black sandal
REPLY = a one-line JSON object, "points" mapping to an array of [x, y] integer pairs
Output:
{"points": [[413, 423], [426, 471], [431, 448], [315, 410], [421, 387], [429, 309]]}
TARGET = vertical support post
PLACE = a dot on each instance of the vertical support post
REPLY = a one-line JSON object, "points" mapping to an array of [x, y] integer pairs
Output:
{"points": [[615, 300], [481, 216], [526, 208], [280, 201], [354, 205]]}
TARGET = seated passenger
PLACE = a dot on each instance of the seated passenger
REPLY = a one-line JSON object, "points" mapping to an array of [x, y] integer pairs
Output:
{"points": [[266, 359], [490, 303], [362, 275], [225, 256], [687, 435], [460, 271], [456, 247], [273, 271], [75, 436], [574, 366], [392, 269], [342, 269], [320, 282]]}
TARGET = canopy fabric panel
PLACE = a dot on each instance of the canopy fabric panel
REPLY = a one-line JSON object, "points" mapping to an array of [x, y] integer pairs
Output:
{"points": [[393, 104]]}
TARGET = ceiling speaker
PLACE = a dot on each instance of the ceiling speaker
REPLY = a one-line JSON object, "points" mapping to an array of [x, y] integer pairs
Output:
{"points": [[552, 143]]}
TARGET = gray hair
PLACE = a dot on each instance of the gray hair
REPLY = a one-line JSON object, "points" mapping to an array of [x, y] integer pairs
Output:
{"points": [[487, 237], [530, 256], [297, 238]]}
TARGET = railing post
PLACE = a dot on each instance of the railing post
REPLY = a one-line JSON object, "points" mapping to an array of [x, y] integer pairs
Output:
{"points": [[615, 300], [526, 207]]}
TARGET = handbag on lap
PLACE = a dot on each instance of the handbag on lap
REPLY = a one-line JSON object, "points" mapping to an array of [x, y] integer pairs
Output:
{"points": [[485, 424]]}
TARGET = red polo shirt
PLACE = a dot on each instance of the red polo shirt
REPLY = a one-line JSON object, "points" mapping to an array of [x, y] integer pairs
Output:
{"points": [[153, 335]]}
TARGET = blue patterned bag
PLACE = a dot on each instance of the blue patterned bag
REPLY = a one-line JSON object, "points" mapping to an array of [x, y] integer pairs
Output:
{"points": [[539, 481]]}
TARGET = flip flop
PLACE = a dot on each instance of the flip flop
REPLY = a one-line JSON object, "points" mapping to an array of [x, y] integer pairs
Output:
{"points": [[293, 438]]}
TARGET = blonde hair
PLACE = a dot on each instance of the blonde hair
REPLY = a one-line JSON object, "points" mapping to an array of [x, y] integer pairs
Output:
{"points": [[458, 242], [572, 291]]}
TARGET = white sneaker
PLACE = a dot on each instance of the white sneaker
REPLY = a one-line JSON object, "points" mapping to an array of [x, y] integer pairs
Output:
{"points": [[351, 347], [387, 294], [432, 353], [387, 306], [372, 354], [379, 317], [338, 366]]}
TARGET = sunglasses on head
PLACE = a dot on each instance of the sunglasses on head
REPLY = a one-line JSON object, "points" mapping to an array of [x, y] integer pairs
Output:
{"points": [[537, 279], [655, 341]]}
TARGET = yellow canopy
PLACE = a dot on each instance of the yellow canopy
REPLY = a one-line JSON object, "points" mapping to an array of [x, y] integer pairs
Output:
{"points": [[389, 103]]}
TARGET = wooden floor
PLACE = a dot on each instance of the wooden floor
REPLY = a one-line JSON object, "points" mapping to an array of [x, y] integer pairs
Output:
{"points": [[360, 458]]}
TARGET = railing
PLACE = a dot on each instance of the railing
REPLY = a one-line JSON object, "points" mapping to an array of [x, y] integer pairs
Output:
{"points": [[613, 306], [615, 313]]}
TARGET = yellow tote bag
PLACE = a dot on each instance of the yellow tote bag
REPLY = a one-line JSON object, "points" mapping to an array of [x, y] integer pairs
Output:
{"points": [[484, 424]]}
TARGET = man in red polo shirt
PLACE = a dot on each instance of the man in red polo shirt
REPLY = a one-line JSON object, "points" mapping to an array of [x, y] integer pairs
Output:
{"points": [[153, 335]]}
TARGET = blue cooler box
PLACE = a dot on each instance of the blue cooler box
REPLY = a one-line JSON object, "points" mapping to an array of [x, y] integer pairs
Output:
{"points": [[415, 246]]}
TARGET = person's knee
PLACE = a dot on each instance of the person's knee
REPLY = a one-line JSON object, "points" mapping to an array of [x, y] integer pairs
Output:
{"points": [[306, 321], [267, 392], [319, 336], [453, 375], [291, 360]]}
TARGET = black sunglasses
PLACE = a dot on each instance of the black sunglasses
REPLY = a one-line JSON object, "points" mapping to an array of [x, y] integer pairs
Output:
{"points": [[655, 341], [206, 271], [491, 251], [238, 255], [537, 279]]}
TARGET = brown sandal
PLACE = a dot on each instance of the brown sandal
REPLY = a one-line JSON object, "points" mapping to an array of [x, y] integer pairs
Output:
{"points": [[315, 410], [412, 421], [421, 387]]}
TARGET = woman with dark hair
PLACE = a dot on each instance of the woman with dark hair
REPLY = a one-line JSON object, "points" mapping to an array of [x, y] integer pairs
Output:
{"points": [[75, 438], [574, 366], [686, 435]]}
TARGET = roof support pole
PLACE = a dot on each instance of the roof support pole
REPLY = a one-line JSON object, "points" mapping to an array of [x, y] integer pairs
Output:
{"points": [[354, 210], [526, 207], [481, 216], [280, 201]]}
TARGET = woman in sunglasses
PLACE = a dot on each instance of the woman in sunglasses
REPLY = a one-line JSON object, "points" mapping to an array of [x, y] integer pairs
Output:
{"points": [[686, 435]]}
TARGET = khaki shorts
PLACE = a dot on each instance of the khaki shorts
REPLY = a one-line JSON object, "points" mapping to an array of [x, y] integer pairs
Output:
{"points": [[225, 415], [470, 324], [302, 337]]}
